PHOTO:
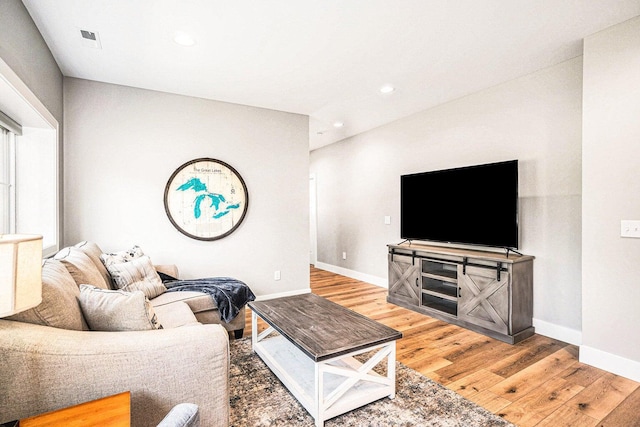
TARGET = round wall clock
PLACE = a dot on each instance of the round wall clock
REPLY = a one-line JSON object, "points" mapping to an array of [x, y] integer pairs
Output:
{"points": [[206, 199]]}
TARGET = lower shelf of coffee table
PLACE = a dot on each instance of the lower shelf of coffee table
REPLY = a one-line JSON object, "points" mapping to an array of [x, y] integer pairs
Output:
{"points": [[300, 375]]}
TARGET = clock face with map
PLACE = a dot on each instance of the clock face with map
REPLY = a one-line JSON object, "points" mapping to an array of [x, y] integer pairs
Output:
{"points": [[206, 199]]}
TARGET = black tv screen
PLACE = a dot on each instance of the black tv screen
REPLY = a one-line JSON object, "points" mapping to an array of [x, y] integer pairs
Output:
{"points": [[475, 205]]}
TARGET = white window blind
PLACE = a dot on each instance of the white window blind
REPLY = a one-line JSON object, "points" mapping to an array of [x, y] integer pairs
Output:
{"points": [[36, 184], [9, 124], [28, 184]]}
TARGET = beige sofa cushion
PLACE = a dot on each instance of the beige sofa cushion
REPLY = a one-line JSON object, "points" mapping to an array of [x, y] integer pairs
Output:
{"points": [[107, 310], [93, 251], [82, 269], [168, 269], [59, 307], [175, 315], [197, 301]]}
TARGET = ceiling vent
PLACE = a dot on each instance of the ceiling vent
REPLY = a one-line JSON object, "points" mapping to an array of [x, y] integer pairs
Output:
{"points": [[91, 39]]}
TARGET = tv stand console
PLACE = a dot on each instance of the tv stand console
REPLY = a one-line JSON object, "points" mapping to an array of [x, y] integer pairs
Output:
{"points": [[487, 292]]}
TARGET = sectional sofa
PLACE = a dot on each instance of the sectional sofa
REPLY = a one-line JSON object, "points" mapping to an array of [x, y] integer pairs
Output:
{"points": [[88, 340]]}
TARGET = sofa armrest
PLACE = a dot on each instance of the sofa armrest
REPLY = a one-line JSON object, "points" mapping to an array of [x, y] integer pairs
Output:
{"points": [[44, 368], [170, 269]]}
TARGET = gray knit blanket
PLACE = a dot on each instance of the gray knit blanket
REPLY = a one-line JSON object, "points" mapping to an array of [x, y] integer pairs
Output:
{"points": [[229, 294]]}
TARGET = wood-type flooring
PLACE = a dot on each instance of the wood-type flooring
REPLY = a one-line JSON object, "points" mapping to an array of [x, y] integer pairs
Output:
{"points": [[537, 382]]}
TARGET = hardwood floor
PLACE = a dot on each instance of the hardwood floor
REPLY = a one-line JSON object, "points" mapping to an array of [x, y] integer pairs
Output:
{"points": [[537, 382]]}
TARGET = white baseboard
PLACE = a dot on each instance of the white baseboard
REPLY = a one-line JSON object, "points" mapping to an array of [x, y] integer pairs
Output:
{"points": [[283, 294], [610, 362], [561, 333], [374, 280]]}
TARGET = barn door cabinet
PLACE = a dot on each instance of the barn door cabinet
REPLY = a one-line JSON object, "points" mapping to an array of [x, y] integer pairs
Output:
{"points": [[487, 292]]}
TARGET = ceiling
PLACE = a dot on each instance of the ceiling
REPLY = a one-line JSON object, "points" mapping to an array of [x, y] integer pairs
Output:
{"points": [[326, 59]]}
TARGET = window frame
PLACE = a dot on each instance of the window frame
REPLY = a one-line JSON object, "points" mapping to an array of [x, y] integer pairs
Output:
{"points": [[8, 181], [19, 103]]}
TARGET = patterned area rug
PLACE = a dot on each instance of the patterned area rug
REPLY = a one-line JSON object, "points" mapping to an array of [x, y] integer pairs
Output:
{"points": [[259, 399]]}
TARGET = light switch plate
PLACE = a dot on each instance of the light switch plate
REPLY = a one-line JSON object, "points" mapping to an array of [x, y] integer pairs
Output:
{"points": [[630, 228]]}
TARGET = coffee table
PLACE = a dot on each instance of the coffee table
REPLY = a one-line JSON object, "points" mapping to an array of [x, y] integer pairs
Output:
{"points": [[310, 344]]}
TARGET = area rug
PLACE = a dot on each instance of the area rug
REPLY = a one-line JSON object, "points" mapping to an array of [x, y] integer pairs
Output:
{"points": [[259, 399]]}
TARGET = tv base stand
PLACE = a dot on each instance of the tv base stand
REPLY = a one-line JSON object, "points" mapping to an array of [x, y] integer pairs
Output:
{"points": [[487, 292]]}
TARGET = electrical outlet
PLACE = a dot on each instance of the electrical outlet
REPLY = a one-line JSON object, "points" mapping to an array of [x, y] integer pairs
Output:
{"points": [[344, 255], [629, 228], [276, 275]]}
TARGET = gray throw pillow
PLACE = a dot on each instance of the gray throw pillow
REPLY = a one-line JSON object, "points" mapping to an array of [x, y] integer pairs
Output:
{"points": [[107, 310]]}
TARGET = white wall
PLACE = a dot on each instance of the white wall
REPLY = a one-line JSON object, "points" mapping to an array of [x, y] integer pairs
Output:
{"points": [[121, 146], [535, 119], [611, 183]]}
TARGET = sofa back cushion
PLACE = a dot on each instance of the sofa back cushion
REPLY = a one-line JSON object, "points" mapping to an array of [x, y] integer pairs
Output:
{"points": [[93, 251], [59, 307], [82, 269]]}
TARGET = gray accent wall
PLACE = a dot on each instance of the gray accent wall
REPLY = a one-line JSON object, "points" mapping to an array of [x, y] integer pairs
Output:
{"points": [[24, 50], [611, 183], [535, 119], [575, 129], [122, 145]]}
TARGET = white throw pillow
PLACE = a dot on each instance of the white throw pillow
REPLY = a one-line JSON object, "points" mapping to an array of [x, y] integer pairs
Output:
{"points": [[107, 310], [121, 256], [133, 271]]}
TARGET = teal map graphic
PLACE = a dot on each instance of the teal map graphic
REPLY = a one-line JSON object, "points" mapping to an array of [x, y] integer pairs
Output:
{"points": [[217, 201]]}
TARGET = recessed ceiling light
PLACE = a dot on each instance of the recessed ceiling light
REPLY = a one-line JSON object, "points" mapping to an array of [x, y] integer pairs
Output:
{"points": [[387, 89], [338, 124], [183, 39]]}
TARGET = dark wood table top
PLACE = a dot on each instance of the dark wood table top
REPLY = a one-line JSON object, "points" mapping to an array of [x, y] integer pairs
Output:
{"points": [[320, 328]]}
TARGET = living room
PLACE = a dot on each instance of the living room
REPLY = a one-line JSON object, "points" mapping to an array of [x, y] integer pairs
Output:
{"points": [[572, 126]]}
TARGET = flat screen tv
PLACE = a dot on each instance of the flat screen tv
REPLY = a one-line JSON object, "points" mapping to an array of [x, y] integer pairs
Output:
{"points": [[476, 205]]}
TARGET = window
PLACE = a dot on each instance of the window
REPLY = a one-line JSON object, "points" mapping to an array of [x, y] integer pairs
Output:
{"points": [[29, 173]]}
